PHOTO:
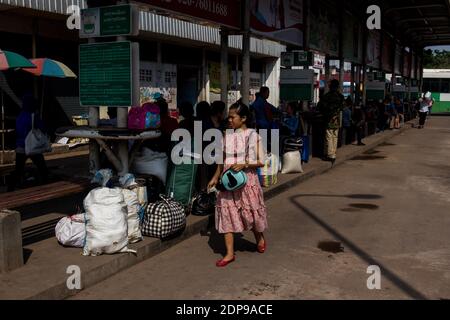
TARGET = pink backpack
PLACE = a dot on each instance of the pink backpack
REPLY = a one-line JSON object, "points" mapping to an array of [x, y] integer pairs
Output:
{"points": [[145, 117], [136, 118]]}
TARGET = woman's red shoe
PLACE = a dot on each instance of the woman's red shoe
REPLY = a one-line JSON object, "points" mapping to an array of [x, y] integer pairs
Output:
{"points": [[224, 263], [262, 248]]}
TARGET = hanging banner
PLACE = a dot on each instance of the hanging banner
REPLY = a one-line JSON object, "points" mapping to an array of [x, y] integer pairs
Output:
{"points": [[373, 56], [280, 20], [387, 63], [324, 29], [398, 58], [220, 12]]}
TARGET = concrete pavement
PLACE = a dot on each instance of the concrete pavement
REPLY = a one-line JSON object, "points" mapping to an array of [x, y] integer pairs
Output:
{"points": [[388, 207], [44, 274]]}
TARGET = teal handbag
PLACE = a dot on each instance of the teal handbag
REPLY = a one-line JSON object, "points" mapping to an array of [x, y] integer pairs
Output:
{"points": [[232, 180]]}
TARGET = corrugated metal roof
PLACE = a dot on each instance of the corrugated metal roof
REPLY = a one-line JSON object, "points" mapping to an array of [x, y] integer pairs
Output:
{"points": [[55, 6], [168, 26]]}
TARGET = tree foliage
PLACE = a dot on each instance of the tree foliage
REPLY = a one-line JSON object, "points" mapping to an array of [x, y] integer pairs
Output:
{"points": [[436, 59]]}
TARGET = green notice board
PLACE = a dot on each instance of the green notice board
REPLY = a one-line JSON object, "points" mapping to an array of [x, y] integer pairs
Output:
{"points": [[375, 95], [293, 92], [115, 20], [105, 74]]}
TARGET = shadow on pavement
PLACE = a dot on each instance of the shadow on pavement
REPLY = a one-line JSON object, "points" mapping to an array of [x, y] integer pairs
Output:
{"points": [[401, 284]]}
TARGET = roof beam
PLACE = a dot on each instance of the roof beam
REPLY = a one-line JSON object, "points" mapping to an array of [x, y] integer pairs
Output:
{"points": [[391, 10]]}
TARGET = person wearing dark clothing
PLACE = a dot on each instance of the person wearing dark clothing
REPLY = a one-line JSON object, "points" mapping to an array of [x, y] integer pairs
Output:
{"points": [[204, 115], [23, 128], [330, 106], [187, 112], [168, 126], [359, 122], [263, 110], [217, 115]]}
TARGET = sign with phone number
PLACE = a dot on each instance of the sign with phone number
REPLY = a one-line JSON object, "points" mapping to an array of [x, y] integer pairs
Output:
{"points": [[222, 12]]}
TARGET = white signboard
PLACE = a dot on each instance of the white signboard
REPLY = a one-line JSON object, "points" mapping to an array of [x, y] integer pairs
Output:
{"points": [[158, 80]]}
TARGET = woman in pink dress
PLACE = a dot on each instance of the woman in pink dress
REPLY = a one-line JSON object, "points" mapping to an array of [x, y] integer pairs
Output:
{"points": [[243, 209]]}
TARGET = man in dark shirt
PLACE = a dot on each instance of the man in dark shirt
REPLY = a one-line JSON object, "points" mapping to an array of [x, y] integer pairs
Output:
{"points": [[330, 106]]}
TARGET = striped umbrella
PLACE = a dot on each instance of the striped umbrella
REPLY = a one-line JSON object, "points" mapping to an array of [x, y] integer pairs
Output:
{"points": [[11, 60], [49, 68]]}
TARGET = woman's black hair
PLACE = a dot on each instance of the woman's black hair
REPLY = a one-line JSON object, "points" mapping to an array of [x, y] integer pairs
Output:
{"points": [[217, 107], [203, 110], [243, 111]]}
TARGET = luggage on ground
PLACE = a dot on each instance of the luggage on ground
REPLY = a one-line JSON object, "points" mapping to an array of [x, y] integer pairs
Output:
{"points": [[292, 162], [163, 218], [133, 207], [106, 222], [181, 181], [71, 231], [268, 174]]}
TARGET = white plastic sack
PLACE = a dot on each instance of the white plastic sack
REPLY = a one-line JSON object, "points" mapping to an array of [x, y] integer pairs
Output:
{"points": [[106, 226], [71, 231], [133, 207], [151, 162], [102, 177], [37, 142], [292, 162]]}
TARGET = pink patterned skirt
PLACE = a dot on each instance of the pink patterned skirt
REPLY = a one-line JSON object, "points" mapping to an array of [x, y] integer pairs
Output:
{"points": [[243, 209]]}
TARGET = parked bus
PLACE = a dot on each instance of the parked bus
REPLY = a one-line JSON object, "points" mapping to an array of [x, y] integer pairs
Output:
{"points": [[437, 81]]}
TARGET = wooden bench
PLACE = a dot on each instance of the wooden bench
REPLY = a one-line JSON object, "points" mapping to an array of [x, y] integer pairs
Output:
{"points": [[20, 198], [12, 236]]}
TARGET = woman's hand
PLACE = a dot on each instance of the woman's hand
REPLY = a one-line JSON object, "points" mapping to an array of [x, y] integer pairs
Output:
{"points": [[214, 181], [238, 167]]}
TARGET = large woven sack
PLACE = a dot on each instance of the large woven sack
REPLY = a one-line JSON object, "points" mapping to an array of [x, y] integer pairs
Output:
{"points": [[133, 207], [163, 218], [292, 162], [106, 226]]}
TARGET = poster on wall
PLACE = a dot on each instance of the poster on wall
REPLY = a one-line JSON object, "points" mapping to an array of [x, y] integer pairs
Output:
{"points": [[234, 93], [324, 29], [398, 58], [388, 48], [373, 56], [352, 40], [281, 20], [158, 80], [214, 77]]}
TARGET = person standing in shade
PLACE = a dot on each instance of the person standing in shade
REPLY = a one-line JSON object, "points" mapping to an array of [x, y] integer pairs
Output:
{"points": [[330, 106], [359, 123], [23, 128]]}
